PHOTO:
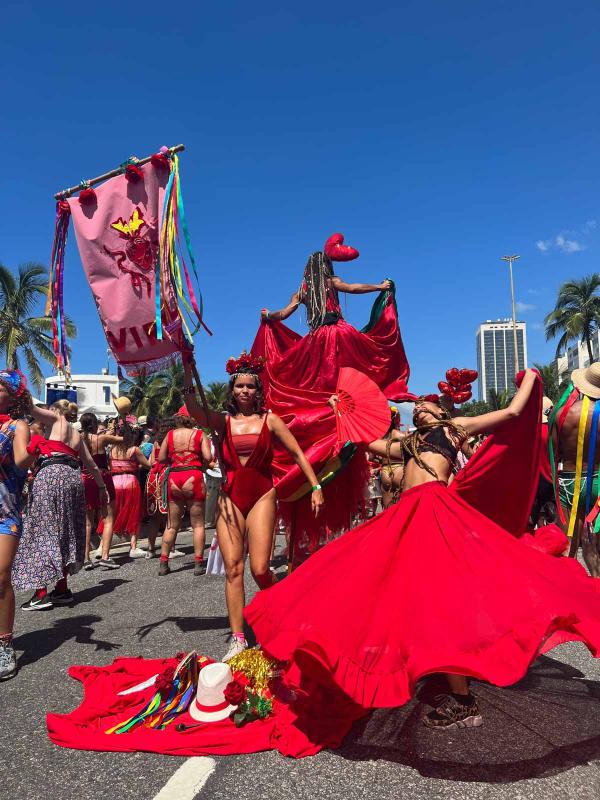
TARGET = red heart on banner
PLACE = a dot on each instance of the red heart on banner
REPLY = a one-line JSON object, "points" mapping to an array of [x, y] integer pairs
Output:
{"points": [[336, 250]]}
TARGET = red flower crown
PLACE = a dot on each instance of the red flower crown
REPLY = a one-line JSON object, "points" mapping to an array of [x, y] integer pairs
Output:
{"points": [[457, 385], [246, 364]]}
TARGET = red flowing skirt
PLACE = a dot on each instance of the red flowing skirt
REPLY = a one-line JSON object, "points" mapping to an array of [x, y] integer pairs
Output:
{"points": [[92, 495], [128, 505], [430, 585]]}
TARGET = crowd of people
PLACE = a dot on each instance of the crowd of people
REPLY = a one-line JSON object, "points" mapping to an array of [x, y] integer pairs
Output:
{"points": [[459, 508]]}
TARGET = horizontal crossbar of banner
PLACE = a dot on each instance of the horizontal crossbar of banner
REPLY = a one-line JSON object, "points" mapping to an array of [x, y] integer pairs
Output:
{"points": [[118, 171]]}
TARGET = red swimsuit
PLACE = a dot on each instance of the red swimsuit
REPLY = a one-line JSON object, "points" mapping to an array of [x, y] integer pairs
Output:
{"points": [[248, 483], [186, 464]]}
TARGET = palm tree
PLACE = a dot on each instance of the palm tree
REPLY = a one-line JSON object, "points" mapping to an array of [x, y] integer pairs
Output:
{"points": [[169, 388], [216, 395], [143, 392], [549, 375], [498, 400], [22, 334], [576, 314]]}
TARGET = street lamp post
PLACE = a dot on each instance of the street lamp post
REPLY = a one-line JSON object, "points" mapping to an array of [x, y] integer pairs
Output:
{"points": [[510, 260]]}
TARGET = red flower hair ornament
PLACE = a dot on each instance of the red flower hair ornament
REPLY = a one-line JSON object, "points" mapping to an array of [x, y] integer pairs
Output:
{"points": [[133, 173], [457, 385], [336, 250], [246, 364]]}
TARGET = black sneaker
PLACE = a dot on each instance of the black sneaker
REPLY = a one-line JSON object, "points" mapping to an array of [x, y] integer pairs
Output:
{"points": [[88, 565], [108, 563], [450, 713], [62, 598], [164, 568], [199, 568], [38, 603]]}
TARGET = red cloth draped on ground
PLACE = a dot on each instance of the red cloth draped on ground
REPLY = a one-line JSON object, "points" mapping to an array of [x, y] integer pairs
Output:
{"points": [[289, 730], [300, 375]]}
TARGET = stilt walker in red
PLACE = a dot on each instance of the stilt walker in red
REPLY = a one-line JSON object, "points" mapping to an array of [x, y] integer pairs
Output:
{"points": [[302, 372]]}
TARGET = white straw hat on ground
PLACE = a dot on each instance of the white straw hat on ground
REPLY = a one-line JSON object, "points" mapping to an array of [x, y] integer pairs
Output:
{"points": [[210, 705], [587, 380]]}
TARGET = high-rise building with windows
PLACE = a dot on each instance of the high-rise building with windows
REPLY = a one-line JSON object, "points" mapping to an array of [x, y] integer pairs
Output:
{"points": [[496, 355]]}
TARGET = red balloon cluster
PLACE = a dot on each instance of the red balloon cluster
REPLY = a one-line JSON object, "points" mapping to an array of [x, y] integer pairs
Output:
{"points": [[458, 384], [336, 250]]}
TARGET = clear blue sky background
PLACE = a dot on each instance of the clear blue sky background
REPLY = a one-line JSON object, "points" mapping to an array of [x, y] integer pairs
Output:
{"points": [[437, 136]]}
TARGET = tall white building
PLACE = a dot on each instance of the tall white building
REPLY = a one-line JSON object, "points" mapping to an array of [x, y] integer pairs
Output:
{"points": [[94, 392], [496, 355], [577, 357]]}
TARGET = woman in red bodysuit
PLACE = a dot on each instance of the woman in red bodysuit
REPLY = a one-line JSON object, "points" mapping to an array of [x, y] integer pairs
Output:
{"points": [[186, 452], [247, 505]]}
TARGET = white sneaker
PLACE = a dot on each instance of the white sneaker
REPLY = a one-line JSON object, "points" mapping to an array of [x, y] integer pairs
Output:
{"points": [[150, 554], [235, 648], [137, 553], [176, 554]]}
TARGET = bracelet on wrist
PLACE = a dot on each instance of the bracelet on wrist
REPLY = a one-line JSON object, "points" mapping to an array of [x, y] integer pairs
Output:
{"points": [[316, 488]]}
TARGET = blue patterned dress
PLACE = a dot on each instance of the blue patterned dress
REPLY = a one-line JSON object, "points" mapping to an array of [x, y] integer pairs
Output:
{"points": [[12, 480]]}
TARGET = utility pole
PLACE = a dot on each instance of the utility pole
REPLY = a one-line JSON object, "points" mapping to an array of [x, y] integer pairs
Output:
{"points": [[510, 260]]}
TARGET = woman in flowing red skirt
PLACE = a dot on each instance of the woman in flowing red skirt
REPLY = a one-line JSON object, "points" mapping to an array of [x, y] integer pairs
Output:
{"points": [[447, 590]]}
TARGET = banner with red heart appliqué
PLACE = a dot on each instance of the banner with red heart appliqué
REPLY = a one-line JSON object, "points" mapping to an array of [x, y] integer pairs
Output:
{"points": [[136, 251], [117, 231]]}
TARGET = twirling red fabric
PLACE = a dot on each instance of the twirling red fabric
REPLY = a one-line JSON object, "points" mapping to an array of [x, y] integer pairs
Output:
{"points": [[300, 375], [247, 483]]}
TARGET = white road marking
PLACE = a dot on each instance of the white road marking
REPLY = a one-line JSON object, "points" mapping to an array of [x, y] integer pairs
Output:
{"points": [[188, 780]]}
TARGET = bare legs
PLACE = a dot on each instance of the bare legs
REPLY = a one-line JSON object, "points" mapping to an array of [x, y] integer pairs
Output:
{"points": [[176, 509], [107, 530], [8, 548], [197, 522], [231, 528]]}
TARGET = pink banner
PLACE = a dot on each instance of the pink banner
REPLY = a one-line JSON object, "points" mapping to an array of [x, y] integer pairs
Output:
{"points": [[117, 235]]}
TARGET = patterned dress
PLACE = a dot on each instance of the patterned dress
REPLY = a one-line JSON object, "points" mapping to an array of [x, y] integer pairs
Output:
{"points": [[54, 531], [12, 480]]}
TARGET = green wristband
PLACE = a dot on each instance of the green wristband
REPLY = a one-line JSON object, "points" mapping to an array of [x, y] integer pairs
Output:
{"points": [[316, 488]]}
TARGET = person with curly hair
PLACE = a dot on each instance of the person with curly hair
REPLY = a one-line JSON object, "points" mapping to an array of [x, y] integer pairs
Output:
{"points": [[247, 504], [15, 402]]}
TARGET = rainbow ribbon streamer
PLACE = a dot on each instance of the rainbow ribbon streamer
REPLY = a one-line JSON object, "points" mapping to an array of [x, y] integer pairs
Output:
{"points": [[557, 418], [172, 261], [55, 303]]}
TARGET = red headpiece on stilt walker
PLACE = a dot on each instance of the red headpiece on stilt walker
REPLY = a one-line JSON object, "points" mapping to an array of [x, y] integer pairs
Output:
{"points": [[336, 250]]}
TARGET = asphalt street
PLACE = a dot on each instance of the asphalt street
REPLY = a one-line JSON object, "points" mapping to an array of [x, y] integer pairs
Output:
{"points": [[541, 737]]}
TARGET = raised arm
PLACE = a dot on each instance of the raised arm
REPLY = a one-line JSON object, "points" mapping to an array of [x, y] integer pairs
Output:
{"points": [[288, 440], [206, 451], [108, 438], [283, 313], [141, 458], [214, 420], [487, 423], [43, 415], [359, 288], [379, 448]]}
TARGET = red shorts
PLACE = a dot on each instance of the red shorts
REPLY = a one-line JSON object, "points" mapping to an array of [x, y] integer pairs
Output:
{"points": [[186, 484], [92, 493]]}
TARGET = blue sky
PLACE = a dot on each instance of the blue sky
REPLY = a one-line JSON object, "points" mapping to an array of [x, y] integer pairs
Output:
{"points": [[436, 136]]}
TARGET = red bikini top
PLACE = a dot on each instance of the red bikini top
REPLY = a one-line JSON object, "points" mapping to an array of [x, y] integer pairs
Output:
{"points": [[48, 447], [244, 443], [190, 456], [260, 457]]}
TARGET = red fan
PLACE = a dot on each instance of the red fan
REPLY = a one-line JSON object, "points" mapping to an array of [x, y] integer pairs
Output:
{"points": [[362, 413]]}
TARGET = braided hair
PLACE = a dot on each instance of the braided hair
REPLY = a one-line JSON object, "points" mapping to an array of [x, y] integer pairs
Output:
{"points": [[313, 289]]}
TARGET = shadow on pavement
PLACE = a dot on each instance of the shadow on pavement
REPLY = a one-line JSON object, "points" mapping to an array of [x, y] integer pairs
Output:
{"points": [[546, 724], [103, 587], [40, 643], [186, 625]]}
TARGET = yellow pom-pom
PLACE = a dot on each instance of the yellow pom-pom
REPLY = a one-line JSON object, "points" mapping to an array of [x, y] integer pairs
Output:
{"points": [[255, 666]]}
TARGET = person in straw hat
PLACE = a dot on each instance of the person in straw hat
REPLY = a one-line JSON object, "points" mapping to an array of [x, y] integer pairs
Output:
{"points": [[575, 437]]}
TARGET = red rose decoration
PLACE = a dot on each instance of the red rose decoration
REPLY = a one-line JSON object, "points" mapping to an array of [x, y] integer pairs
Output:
{"points": [[160, 161], [87, 197], [133, 173], [164, 681], [234, 693]]}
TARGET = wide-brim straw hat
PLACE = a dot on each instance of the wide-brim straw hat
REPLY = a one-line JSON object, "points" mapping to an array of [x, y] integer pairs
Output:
{"points": [[210, 705], [122, 404], [587, 380]]}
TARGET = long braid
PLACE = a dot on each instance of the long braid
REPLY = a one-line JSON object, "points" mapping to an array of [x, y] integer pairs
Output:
{"points": [[313, 289]]}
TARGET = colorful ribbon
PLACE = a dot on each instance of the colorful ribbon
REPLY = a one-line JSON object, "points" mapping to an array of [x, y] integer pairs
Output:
{"points": [[585, 407], [55, 302]]}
